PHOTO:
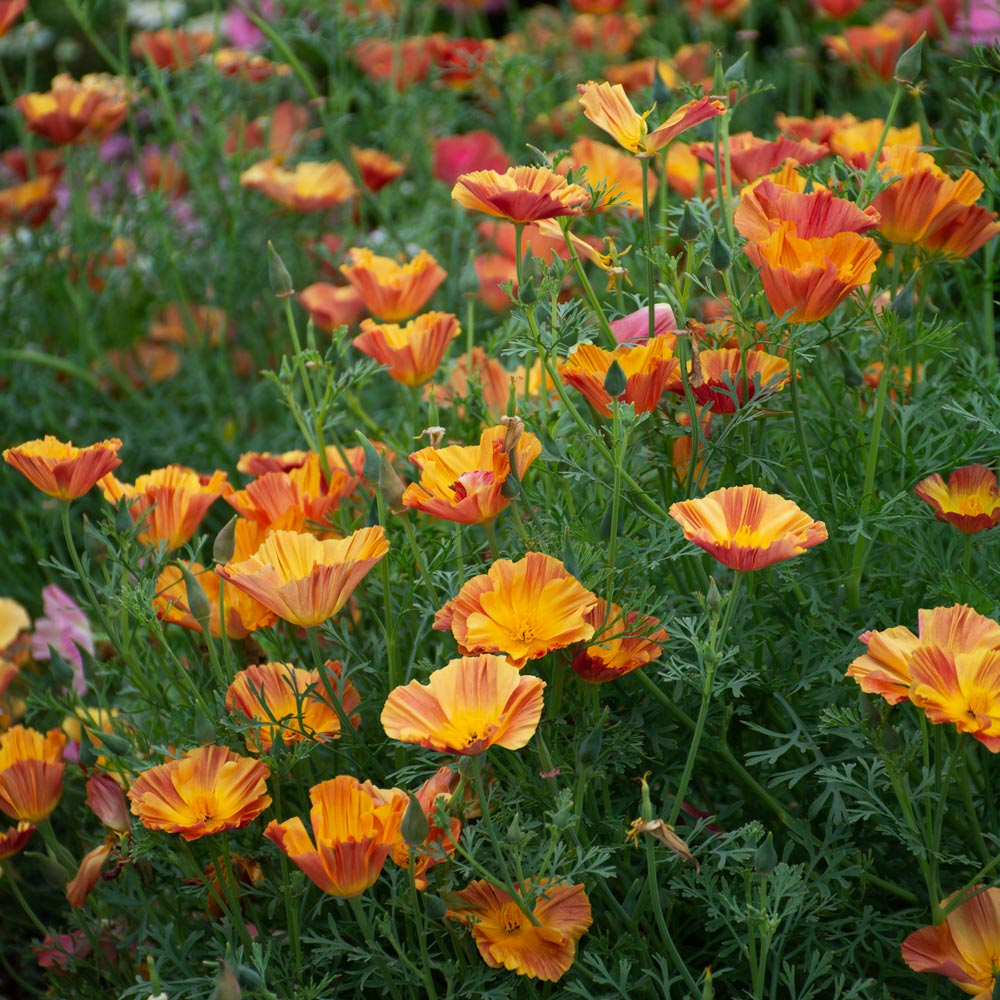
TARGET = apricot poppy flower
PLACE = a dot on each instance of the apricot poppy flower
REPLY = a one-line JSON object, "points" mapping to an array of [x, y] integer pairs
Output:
{"points": [[969, 501], [376, 168], [885, 668], [330, 306], [466, 707], [72, 110], [307, 187], [250, 67], [169, 503], [747, 529], [290, 704], [873, 49], [16, 838], [751, 157], [172, 48], [393, 291], [31, 772], [648, 368], [623, 642], [609, 108], [966, 947], [208, 790], [59, 468], [620, 173], [728, 378], [521, 194], [29, 203], [507, 938], [465, 483], [355, 829], [412, 352], [303, 579], [524, 609]]}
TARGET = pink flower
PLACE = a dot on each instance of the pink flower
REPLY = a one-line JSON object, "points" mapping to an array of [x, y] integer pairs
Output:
{"points": [[241, 31], [634, 328], [455, 155], [65, 628], [981, 26]]}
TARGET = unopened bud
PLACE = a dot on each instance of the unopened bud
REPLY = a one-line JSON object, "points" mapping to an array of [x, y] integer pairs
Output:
{"points": [[645, 802], [434, 906], [225, 541], [373, 460], [908, 64], [588, 753], [738, 71], [718, 75], [902, 304], [116, 745], [689, 228], [249, 978], [526, 293], [662, 94], [765, 858], [414, 826], [544, 756], [515, 428], [852, 373], [62, 671], [615, 382], [432, 410], [391, 487], [277, 274], [706, 991], [512, 398], [514, 834], [197, 600], [52, 871], [107, 802], [227, 986], [713, 598], [511, 488], [719, 253]]}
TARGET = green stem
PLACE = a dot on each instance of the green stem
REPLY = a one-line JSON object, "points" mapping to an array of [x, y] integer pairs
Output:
{"points": [[647, 236], [317, 443], [864, 194], [12, 881]]}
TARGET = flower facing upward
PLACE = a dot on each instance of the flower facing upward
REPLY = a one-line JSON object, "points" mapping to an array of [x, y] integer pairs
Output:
{"points": [[308, 187], [208, 790], [354, 829], [466, 707], [747, 529], [521, 194], [608, 107], [393, 291], [966, 947], [412, 352], [303, 579], [465, 484], [31, 771], [59, 468], [969, 501], [507, 938], [524, 609], [622, 643]]}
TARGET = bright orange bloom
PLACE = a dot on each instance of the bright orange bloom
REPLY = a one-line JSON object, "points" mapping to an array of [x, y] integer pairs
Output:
{"points": [[524, 609], [622, 643], [62, 470], [31, 772], [885, 668], [874, 49], [13, 620], [91, 108], [729, 379], [506, 938], [330, 306], [303, 579], [170, 602], [689, 176], [376, 168], [855, 142], [747, 529], [307, 187], [466, 707], [392, 291], [87, 875], [29, 203], [10, 11], [966, 947], [620, 173], [402, 63], [411, 352], [608, 107], [170, 503], [808, 279], [15, 839], [521, 194], [208, 790], [751, 157], [647, 367], [171, 48], [465, 483], [491, 376], [611, 35], [290, 704], [354, 826], [969, 501]]}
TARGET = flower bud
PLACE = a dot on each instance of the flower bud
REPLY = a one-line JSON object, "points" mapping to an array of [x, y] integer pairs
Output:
{"points": [[853, 378], [392, 488], [277, 274], [107, 802], [527, 293], [588, 753], [737, 73], [514, 834], [511, 488], [706, 991], [227, 986], [689, 228], [908, 64], [662, 94], [373, 460], [52, 871], [765, 858], [225, 542], [434, 906], [414, 826], [249, 978], [116, 745], [512, 399], [62, 671], [719, 253], [615, 382], [197, 600], [902, 304]]}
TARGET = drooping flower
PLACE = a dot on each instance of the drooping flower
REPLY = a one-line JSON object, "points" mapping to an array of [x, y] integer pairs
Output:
{"points": [[59, 468], [623, 642], [288, 703], [354, 830], [747, 529], [524, 609], [411, 352], [303, 579], [208, 790], [65, 628], [729, 378], [507, 938], [969, 501], [31, 771], [465, 483], [466, 707], [392, 291], [521, 194], [15, 839], [87, 875], [308, 187], [966, 947]]}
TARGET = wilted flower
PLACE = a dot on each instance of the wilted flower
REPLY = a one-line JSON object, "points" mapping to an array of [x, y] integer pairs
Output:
{"points": [[969, 501], [412, 352], [31, 771], [393, 291], [80, 886], [60, 469], [623, 642], [522, 194], [65, 628]]}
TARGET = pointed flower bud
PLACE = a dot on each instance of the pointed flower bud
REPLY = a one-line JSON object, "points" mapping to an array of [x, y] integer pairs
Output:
{"points": [[908, 64], [765, 859], [277, 274], [107, 802], [225, 542], [615, 382], [719, 253], [414, 826]]}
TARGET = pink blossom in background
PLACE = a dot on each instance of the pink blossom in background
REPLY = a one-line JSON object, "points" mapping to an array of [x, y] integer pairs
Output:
{"points": [[455, 155], [982, 26], [241, 31], [634, 328], [65, 628]]}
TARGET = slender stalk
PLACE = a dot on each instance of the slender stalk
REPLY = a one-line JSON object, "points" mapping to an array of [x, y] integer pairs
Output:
{"points": [[865, 194], [317, 442], [647, 236]]}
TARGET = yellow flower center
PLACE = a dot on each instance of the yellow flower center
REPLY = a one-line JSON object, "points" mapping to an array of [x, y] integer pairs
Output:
{"points": [[748, 538], [510, 918]]}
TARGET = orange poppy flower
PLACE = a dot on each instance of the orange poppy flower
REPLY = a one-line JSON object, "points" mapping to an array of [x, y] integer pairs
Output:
{"points": [[411, 352], [493, 380], [620, 173], [62, 470], [465, 483], [747, 529], [622, 643], [524, 609], [290, 703], [169, 503], [728, 379], [969, 501], [873, 49], [466, 707], [330, 306], [170, 602], [609, 108], [401, 63], [355, 829], [171, 48], [966, 947], [16, 837], [31, 772], [884, 668], [521, 194], [10, 11], [392, 291], [307, 187], [751, 157], [208, 790], [647, 367], [376, 168], [507, 939], [689, 176], [91, 108], [303, 579], [855, 142], [808, 279], [29, 203], [250, 67]]}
